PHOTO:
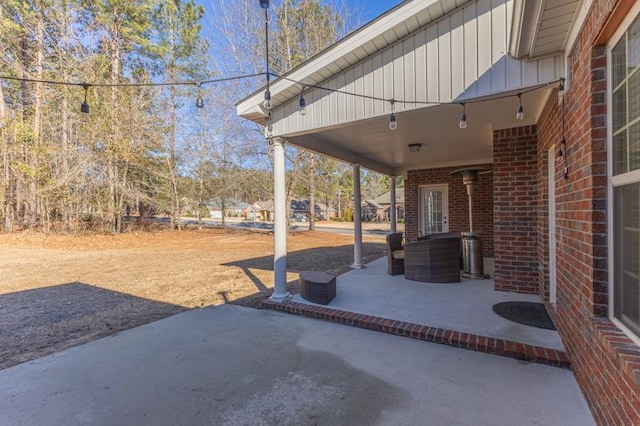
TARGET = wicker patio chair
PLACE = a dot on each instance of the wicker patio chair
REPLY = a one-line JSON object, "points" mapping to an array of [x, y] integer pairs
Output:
{"points": [[435, 260], [395, 254]]}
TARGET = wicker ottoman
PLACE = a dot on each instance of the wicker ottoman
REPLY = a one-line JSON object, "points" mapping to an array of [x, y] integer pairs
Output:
{"points": [[317, 287]]}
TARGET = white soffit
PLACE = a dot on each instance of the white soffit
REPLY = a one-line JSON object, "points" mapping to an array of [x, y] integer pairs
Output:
{"points": [[542, 27]]}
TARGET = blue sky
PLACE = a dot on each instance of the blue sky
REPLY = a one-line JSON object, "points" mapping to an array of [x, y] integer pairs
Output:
{"points": [[372, 8], [367, 9]]}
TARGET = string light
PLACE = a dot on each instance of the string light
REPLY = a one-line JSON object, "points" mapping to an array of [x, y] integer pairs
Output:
{"points": [[200, 101], [562, 153], [520, 113], [302, 102], [84, 108], [463, 116], [393, 124]]}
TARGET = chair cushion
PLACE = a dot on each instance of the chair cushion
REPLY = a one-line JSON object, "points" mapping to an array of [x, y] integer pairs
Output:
{"points": [[397, 254]]}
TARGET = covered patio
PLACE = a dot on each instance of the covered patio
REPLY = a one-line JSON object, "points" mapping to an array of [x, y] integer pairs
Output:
{"points": [[425, 89], [457, 314]]}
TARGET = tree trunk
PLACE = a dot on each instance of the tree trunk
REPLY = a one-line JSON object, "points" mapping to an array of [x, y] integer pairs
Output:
{"points": [[172, 159], [112, 167], [32, 203], [5, 145]]}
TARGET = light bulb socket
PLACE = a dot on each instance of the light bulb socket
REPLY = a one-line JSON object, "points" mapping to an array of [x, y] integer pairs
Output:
{"points": [[303, 106], [463, 121], [84, 108], [267, 100]]}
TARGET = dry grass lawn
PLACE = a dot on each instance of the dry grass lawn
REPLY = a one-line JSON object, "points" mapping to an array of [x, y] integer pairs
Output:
{"points": [[57, 291]]}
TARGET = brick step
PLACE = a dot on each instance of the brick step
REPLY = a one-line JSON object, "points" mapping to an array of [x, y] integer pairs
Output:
{"points": [[473, 342]]}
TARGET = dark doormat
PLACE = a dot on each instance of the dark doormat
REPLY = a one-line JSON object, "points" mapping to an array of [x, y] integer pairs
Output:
{"points": [[527, 313]]}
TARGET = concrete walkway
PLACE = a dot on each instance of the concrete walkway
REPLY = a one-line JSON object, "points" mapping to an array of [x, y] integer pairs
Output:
{"points": [[236, 366]]}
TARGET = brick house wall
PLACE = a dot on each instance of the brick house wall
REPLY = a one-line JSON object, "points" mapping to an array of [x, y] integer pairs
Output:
{"points": [[458, 202], [515, 209], [606, 362]]}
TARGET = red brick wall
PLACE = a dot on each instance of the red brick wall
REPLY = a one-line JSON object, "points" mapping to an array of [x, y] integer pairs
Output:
{"points": [[515, 209], [458, 202], [606, 362]]}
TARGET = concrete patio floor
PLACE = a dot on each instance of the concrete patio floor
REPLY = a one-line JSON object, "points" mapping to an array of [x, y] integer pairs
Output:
{"points": [[464, 307], [234, 366]]}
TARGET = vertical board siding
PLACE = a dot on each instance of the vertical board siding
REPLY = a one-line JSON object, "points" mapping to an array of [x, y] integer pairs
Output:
{"points": [[460, 56], [470, 42]]}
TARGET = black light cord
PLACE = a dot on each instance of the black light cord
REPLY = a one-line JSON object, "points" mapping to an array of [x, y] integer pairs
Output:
{"points": [[402, 101], [165, 83]]}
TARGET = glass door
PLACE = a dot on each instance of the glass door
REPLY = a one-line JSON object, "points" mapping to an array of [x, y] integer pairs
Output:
{"points": [[434, 209]]}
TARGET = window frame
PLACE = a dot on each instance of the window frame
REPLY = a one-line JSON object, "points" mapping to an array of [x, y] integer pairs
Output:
{"points": [[618, 180]]}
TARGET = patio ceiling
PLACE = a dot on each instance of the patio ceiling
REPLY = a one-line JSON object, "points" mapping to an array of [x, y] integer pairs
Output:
{"points": [[371, 143]]}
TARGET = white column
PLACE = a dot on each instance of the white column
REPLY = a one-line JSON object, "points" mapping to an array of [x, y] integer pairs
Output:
{"points": [[280, 293], [392, 205], [357, 220]]}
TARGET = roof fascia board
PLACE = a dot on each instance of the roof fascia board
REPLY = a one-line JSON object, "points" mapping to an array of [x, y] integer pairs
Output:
{"points": [[358, 38], [526, 17]]}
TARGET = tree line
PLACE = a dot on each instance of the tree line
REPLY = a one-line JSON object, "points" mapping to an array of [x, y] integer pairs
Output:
{"points": [[150, 149]]}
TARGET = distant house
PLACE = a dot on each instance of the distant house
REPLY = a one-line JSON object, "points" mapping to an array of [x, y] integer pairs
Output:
{"points": [[232, 208], [371, 211], [385, 202], [300, 210], [260, 211], [263, 211], [378, 209]]}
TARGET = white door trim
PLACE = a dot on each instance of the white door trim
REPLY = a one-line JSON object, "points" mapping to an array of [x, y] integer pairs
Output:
{"points": [[445, 206], [551, 200]]}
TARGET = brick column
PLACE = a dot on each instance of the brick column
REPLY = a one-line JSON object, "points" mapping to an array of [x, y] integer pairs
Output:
{"points": [[515, 209]]}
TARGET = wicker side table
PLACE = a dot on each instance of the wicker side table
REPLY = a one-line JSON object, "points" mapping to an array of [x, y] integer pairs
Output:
{"points": [[317, 287]]}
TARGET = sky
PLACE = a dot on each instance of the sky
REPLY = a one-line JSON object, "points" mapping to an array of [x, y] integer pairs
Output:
{"points": [[368, 9], [371, 9]]}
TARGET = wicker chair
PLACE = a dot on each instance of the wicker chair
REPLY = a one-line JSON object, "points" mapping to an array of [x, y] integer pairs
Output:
{"points": [[395, 254], [435, 260]]}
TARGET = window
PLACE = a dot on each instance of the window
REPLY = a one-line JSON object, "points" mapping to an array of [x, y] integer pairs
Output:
{"points": [[624, 76]]}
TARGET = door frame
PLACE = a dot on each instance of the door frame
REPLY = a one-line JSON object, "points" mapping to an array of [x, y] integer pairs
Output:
{"points": [[551, 201], [445, 205]]}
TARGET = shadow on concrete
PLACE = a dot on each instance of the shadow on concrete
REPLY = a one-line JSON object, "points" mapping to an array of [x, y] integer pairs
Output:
{"points": [[38, 322], [335, 261], [332, 261]]}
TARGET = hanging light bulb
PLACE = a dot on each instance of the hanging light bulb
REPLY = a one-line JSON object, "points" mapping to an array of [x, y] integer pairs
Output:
{"points": [[561, 92], [267, 100], [520, 113], [303, 106], [393, 124], [563, 147], [199, 101], [463, 117], [264, 4], [84, 108]]}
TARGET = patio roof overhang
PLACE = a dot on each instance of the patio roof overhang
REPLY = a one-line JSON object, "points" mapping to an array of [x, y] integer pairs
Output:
{"points": [[441, 52], [543, 27]]}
